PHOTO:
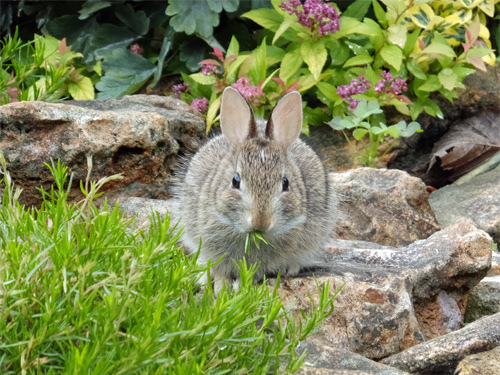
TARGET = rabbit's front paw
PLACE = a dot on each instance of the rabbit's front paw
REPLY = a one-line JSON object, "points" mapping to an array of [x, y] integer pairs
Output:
{"points": [[291, 270]]}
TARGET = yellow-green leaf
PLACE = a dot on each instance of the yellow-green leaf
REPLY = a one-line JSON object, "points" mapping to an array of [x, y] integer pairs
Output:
{"points": [[82, 89], [213, 109], [421, 15], [287, 22], [447, 78], [393, 55], [314, 54], [397, 35], [291, 63], [358, 60], [203, 79]]}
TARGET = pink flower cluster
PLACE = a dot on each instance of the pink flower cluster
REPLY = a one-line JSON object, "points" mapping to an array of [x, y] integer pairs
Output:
{"points": [[390, 85], [209, 69], [250, 92], [201, 105], [135, 48], [314, 14], [357, 86], [177, 90]]}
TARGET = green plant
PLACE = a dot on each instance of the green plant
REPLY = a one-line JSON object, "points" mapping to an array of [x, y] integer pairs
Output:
{"points": [[363, 121], [42, 69], [82, 290]]}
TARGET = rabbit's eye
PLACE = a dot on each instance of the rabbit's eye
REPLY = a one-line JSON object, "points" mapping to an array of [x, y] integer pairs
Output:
{"points": [[285, 184], [236, 181]]}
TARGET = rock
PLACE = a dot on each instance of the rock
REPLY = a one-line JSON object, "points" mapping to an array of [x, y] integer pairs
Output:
{"points": [[476, 200], [495, 264], [393, 298], [388, 207], [441, 355], [139, 136], [337, 361], [483, 299], [486, 363]]}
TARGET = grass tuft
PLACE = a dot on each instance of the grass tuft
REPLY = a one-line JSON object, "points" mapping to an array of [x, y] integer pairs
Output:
{"points": [[83, 292]]}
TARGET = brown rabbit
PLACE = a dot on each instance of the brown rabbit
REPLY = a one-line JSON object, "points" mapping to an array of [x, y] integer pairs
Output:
{"points": [[256, 177]]}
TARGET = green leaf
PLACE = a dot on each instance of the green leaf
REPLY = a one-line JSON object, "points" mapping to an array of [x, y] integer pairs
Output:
{"points": [[353, 26], [314, 54], [90, 7], [394, 131], [191, 19], [410, 42], [213, 109], [287, 22], [412, 128], [328, 90], [358, 60], [125, 73], [228, 5], [367, 108], [292, 61], [359, 133], [397, 35], [82, 89], [439, 49], [108, 38], [432, 84], [258, 68], [203, 79], [267, 18], [357, 10], [137, 21], [415, 69], [379, 13], [448, 79], [393, 55], [234, 47], [165, 48]]}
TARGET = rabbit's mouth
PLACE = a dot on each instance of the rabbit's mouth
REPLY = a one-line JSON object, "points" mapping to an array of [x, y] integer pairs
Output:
{"points": [[255, 238]]}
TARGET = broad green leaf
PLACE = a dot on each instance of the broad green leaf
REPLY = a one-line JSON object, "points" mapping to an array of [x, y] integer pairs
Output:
{"points": [[416, 70], [292, 62], [379, 13], [258, 68], [393, 55], [108, 38], [190, 19], [339, 52], [431, 84], [359, 133], [232, 70], [367, 108], [410, 42], [267, 18], [353, 26], [357, 10], [228, 5], [448, 79], [439, 49], [287, 22], [314, 54], [358, 60], [394, 9], [90, 7], [234, 47], [165, 47], [412, 128], [137, 21], [274, 55], [82, 89], [328, 90], [397, 35], [203, 79], [125, 73]]}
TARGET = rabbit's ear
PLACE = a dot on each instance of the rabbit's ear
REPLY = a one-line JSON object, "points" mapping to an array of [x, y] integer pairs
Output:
{"points": [[236, 117], [285, 123]]}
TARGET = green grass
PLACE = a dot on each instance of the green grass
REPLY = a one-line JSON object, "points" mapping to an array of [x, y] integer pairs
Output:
{"points": [[83, 292]]}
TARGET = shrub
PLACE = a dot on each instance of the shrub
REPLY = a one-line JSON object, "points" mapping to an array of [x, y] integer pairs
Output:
{"points": [[83, 291]]}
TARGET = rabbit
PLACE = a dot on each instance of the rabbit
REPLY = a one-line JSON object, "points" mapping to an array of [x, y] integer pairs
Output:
{"points": [[256, 176]]}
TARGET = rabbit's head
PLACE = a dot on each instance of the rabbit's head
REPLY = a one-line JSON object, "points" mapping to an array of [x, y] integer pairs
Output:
{"points": [[262, 190]]}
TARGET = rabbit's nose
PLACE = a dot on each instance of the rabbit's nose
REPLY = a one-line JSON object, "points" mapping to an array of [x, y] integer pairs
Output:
{"points": [[261, 222]]}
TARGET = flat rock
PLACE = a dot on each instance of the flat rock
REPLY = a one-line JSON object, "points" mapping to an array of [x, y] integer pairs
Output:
{"points": [[441, 355], [388, 207], [477, 200], [139, 136], [486, 363]]}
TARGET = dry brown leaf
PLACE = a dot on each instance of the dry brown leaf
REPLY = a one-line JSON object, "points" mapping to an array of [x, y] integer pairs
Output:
{"points": [[467, 144]]}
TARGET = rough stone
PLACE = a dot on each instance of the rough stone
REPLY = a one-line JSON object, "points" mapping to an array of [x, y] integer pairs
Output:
{"points": [[139, 136], [388, 207], [477, 200], [441, 355], [486, 363], [337, 361], [483, 299], [387, 292]]}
